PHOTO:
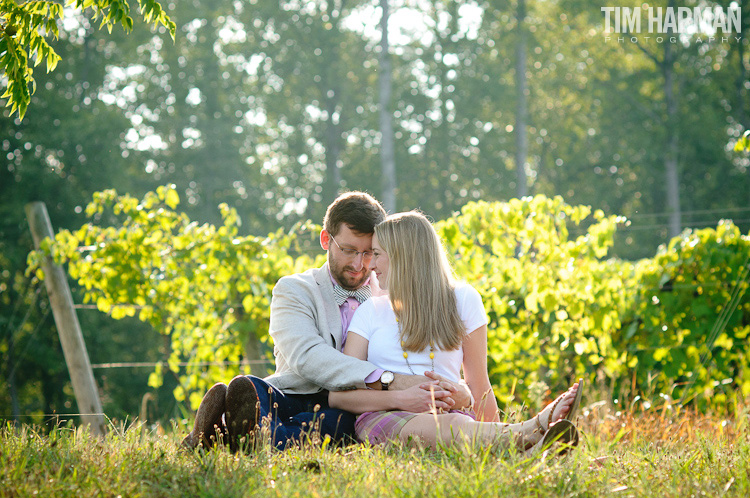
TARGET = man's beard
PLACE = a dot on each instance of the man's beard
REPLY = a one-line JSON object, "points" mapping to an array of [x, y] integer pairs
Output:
{"points": [[347, 281]]}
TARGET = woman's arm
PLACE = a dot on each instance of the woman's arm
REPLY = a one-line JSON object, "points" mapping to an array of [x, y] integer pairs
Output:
{"points": [[416, 399], [475, 374]]}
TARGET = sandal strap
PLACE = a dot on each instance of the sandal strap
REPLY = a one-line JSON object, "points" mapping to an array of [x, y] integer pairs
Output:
{"points": [[539, 426], [551, 413]]}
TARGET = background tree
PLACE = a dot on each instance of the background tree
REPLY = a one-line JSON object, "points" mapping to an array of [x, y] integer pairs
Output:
{"points": [[314, 88], [67, 147], [25, 26], [521, 98], [385, 76], [189, 118]]}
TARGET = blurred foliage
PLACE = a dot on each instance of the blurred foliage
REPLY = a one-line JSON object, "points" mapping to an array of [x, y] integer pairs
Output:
{"points": [[205, 287], [689, 326], [65, 149], [558, 306], [554, 302], [271, 109], [743, 144]]}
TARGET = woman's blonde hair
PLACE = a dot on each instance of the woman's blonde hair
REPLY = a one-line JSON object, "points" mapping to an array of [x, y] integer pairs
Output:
{"points": [[421, 283]]}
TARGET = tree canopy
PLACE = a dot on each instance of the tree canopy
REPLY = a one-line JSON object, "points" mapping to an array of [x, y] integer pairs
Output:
{"points": [[25, 28]]}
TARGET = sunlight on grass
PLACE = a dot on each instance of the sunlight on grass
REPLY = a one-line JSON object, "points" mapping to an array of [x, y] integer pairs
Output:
{"points": [[639, 452]]}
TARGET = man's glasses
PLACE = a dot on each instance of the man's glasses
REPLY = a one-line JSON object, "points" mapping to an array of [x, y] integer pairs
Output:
{"points": [[351, 253]]}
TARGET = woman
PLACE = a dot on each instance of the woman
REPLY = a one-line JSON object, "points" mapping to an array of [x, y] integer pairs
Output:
{"points": [[428, 322]]}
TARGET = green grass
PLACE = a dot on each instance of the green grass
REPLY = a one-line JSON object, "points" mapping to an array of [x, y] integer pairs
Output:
{"points": [[656, 453]]}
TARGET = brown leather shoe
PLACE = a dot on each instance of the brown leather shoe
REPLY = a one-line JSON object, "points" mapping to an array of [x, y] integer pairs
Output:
{"points": [[209, 426], [242, 412]]}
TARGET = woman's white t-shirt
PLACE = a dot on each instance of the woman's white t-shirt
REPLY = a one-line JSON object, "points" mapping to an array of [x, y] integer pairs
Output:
{"points": [[375, 321]]}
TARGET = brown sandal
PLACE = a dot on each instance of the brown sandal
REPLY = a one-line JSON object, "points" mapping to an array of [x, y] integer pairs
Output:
{"points": [[562, 433], [554, 404]]}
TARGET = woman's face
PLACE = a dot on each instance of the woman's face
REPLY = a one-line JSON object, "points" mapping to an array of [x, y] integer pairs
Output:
{"points": [[379, 262]]}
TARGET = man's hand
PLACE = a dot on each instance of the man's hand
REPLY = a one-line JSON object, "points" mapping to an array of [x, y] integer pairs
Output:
{"points": [[401, 382], [454, 395], [425, 397], [460, 393]]}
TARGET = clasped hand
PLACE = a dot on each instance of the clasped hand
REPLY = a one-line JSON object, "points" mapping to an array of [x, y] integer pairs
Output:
{"points": [[438, 394]]}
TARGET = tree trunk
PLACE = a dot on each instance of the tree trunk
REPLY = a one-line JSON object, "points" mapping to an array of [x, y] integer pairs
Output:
{"points": [[672, 145], [211, 162], [521, 105], [332, 98], [332, 182], [387, 156], [741, 79], [740, 106], [12, 389]]}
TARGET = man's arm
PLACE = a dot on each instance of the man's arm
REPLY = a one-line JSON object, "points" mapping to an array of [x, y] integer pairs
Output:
{"points": [[295, 333], [414, 398], [401, 382]]}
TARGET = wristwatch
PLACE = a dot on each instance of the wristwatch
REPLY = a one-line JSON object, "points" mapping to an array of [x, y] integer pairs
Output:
{"points": [[386, 379]]}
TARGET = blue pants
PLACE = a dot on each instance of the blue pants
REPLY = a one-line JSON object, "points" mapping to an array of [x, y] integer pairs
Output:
{"points": [[293, 416]]}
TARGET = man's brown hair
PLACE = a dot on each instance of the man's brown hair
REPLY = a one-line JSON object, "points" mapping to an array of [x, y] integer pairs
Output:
{"points": [[358, 210]]}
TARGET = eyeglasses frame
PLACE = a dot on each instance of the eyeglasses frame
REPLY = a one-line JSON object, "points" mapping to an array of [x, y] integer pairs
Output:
{"points": [[352, 253]]}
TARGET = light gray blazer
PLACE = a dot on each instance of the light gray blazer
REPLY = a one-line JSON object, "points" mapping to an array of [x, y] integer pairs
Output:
{"points": [[306, 330]]}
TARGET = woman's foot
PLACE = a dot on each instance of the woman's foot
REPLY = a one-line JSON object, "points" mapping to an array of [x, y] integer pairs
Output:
{"points": [[533, 430], [557, 410]]}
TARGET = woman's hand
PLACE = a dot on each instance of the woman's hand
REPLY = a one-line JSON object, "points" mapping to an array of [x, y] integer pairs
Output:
{"points": [[425, 397], [460, 393]]}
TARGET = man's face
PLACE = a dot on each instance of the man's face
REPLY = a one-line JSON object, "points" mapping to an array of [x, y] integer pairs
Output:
{"points": [[349, 270]]}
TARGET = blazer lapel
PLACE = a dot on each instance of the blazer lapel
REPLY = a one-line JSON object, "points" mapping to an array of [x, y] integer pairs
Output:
{"points": [[332, 312]]}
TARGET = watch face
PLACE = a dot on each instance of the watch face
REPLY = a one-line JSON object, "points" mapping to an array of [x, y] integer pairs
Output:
{"points": [[386, 378]]}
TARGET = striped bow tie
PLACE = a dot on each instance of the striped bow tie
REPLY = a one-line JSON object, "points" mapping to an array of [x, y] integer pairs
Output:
{"points": [[362, 294]]}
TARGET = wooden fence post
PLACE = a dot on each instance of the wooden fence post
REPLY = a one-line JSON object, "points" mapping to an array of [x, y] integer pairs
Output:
{"points": [[68, 327]]}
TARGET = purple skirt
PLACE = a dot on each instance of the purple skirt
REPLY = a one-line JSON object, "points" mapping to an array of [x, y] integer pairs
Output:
{"points": [[382, 427]]}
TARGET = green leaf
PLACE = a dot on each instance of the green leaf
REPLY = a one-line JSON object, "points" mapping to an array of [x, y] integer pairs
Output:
{"points": [[172, 198]]}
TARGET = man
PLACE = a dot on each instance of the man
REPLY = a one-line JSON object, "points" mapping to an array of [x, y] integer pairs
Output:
{"points": [[310, 314]]}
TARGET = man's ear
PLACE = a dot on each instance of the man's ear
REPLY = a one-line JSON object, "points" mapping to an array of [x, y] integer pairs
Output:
{"points": [[325, 239]]}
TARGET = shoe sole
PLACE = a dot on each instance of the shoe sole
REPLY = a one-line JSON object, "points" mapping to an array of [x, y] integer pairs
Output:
{"points": [[242, 412], [563, 432], [209, 427], [576, 403]]}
